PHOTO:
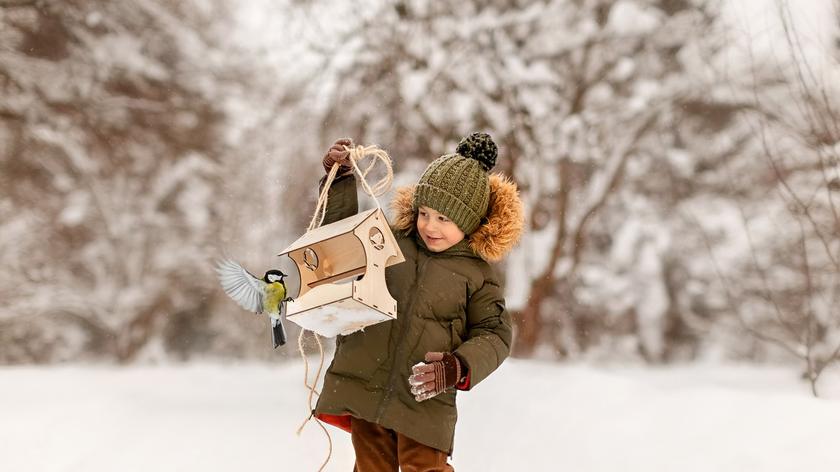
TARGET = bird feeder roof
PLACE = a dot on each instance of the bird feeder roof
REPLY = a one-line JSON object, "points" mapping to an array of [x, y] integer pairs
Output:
{"points": [[329, 231]]}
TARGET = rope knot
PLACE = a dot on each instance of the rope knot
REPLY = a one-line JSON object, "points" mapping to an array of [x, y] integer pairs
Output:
{"points": [[358, 153]]}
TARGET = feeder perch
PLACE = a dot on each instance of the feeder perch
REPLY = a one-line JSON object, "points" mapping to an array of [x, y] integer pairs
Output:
{"points": [[342, 275]]}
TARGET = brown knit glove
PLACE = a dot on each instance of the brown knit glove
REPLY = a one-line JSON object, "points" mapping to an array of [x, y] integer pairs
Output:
{"points": [[337, 154], [441, 370]]}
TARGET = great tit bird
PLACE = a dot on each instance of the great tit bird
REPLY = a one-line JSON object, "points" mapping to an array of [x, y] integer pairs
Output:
{"points": [[258, 295]]}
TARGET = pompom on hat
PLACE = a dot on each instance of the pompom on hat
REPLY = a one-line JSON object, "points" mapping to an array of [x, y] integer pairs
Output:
{"points": [[479, 146], [457, 185]]}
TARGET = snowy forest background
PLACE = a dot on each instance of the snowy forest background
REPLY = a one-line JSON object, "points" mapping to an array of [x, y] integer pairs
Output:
{"points": [[679, 160]]}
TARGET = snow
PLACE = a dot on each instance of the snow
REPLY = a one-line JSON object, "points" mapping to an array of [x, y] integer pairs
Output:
{"points": [[527, 416], [629, 18], [127, 52], [757, 30]]}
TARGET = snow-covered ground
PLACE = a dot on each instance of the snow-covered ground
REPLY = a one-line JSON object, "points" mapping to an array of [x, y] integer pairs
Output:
{"points": [[528, 416]]}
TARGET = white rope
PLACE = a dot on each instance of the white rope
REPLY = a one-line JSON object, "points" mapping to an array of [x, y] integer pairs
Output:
{"points": [[321, 206], [313, 391], [357, 154]]}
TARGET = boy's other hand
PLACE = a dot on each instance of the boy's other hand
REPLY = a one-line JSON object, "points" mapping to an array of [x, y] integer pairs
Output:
{"points": [[337, 154], [441, 370]]}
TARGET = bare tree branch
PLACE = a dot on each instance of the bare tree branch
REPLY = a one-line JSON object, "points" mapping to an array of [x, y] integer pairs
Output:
{"points": [[731, 299]]}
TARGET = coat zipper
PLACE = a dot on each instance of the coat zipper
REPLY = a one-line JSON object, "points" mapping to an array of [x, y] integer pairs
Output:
{"points": [[399, 344]]}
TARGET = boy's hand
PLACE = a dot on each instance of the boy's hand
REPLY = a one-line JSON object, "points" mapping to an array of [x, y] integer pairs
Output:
{"points": [[338, 155], [440, 371]]}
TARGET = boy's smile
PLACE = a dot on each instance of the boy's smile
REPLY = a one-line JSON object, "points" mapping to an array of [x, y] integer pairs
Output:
{"points": [[437, 231]]}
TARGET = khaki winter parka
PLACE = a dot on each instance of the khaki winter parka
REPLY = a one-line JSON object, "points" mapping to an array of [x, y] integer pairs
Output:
{"points": [[447, 302]]}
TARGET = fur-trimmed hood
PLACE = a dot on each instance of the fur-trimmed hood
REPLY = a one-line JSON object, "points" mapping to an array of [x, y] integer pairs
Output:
{"points": [[499, 231]]}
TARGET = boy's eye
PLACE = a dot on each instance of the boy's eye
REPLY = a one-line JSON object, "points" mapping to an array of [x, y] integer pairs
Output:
{"points": [[443, 218]]}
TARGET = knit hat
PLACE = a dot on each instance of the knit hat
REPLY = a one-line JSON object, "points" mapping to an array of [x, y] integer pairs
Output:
{"points": [[456, 185]]}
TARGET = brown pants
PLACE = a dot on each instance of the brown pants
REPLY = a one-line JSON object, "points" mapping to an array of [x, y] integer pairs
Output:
{"points": [[380, 449]]}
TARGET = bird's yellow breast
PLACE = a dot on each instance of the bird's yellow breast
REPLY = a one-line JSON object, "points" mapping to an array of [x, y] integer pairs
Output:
{"points": [[275, 292]]}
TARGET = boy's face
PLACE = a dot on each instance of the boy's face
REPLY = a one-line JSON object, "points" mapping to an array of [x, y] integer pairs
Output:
{"points": [[438, 232]]}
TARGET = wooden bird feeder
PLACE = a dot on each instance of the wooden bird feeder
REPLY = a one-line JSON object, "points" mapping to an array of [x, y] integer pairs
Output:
{"points": [[342, 275]]}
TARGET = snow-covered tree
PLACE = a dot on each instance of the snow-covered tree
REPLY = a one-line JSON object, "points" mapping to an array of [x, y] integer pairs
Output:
{"points": [[782, 194], [574, 92], [109, 169], [678, 196]]}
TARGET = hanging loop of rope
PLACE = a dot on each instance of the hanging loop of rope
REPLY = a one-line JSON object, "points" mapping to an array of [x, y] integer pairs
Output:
{"points": [[357, 155], [313, 391]]}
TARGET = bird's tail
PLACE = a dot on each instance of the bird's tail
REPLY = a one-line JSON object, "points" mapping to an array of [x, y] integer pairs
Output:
{"points": [[278, 332]]}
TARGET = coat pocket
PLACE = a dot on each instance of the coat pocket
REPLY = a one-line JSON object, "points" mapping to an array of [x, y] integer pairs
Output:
{"points": [[357, 356], [455, 333]]}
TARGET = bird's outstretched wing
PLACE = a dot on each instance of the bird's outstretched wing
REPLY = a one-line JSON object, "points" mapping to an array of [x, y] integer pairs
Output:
{"points": [[240, 285]]}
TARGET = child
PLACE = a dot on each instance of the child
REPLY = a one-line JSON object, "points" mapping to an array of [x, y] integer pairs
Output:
{"points": [[393, 385]]}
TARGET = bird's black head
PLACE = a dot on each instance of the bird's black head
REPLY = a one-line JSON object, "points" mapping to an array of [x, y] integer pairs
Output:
{"points": [[273, 276]]}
